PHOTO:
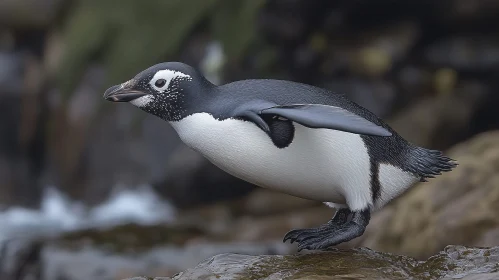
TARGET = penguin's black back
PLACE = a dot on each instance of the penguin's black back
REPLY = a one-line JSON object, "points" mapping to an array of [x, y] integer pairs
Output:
{"points": [[286, 92]]}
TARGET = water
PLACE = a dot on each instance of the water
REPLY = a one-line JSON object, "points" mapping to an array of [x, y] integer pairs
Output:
{"points": [[58, 213]]}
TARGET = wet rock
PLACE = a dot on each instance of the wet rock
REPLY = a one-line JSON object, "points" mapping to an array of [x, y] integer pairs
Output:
{"points": [[454, 261], [459, 207]]}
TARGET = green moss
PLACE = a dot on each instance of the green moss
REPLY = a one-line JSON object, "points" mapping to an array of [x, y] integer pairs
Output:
{"points": [[137, 34], [128, 238], [341, 262]]}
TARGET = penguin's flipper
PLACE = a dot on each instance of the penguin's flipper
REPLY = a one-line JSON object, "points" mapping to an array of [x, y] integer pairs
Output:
{"points": [[251, 112], [325, 116]]}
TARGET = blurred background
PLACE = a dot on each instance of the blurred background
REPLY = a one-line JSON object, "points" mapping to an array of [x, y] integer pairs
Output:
{"points": [[94, 190]]}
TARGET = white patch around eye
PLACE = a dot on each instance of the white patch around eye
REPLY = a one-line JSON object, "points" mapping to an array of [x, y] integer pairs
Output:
{"points": [[168, 76], [143, 100]]}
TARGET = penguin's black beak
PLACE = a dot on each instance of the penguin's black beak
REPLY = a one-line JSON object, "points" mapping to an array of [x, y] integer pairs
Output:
{"points": [[122, 93]]}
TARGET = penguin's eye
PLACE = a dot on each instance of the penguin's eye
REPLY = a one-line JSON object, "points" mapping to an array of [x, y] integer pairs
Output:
{"points": [[160, 83]]}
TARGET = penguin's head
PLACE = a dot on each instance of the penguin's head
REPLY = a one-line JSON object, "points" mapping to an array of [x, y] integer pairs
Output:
{"points": [[163, 90]]}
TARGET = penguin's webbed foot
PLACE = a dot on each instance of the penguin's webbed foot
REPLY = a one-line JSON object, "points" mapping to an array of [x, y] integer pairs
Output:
{"points": [[331, 233], [299, 235], [331, 237]]}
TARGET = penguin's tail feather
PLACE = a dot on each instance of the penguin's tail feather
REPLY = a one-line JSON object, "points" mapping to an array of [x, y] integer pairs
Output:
{"points": [[429, 163]]}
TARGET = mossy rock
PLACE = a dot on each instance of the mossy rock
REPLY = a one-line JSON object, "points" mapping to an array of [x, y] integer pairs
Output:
{"points": [[129, 237], [363, 263]]}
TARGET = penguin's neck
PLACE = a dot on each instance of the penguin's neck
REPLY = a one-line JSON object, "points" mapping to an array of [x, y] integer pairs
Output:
{"points": [[190, 99]]}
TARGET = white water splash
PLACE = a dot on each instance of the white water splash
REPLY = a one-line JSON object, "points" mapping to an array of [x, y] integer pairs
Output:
{"points": [[141, 206], [57, 213]]}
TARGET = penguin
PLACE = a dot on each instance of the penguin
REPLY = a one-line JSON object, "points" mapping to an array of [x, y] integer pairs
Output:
{"points": [[289, 137]]}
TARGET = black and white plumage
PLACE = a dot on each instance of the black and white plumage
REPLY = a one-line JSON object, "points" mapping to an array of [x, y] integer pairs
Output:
{"points": [[290, 137]]}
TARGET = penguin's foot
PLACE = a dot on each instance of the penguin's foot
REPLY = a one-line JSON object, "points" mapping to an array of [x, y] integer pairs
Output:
{"points": [[331, 233], [299, 235]]}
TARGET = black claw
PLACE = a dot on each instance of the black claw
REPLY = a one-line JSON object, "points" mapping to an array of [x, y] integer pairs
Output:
{"points": [[286, 237], [298, 234], [291, 235]]}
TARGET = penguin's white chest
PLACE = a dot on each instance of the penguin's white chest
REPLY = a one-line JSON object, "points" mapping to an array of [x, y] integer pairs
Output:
{"points": [[320, 164]]}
